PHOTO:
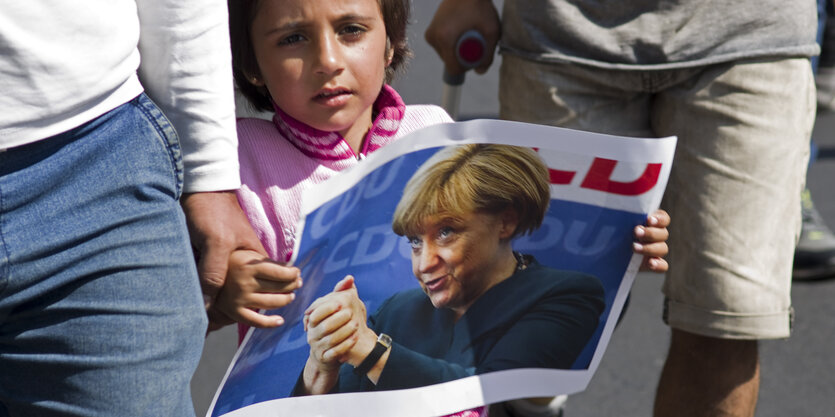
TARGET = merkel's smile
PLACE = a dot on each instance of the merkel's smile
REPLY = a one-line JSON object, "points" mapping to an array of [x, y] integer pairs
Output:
{"points": [[435, 284]]}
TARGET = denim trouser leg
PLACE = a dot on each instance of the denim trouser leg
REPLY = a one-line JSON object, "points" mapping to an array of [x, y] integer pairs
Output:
{"points": [[100, 307]]}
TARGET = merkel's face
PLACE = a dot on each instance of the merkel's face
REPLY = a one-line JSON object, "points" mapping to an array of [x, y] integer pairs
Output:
{"points": [[453, 258]]}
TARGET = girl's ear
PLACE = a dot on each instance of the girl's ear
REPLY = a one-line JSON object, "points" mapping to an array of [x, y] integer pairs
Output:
{"points": [[255, 80], [389, 52]]}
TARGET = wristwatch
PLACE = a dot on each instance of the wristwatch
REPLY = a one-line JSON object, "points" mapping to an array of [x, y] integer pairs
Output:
{"points": [[383, 344]]}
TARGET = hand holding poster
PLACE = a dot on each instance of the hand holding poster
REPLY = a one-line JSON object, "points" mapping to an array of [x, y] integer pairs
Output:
{"points": [[495, 313]]}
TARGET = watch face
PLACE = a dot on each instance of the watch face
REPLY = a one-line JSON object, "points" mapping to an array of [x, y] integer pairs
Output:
{"points": [[384, 340]]}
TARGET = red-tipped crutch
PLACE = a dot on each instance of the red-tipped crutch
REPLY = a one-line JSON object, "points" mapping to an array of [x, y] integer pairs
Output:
{"points": [[469, 50]]}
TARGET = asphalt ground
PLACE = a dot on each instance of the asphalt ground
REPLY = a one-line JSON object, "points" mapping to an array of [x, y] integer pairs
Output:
{"points": [[797, 374]]}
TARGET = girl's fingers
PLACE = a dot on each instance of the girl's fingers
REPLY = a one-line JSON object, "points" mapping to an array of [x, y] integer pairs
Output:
{"points": [[255, 319], [654, 265], [646, 234], [270, 285], [658, 218], [269, 301], [653, 250]]}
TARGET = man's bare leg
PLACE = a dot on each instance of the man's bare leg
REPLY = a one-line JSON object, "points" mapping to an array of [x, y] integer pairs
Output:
{"points": [[706, 377]]}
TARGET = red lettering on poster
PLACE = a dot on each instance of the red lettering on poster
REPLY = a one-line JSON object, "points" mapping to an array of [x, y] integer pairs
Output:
{"points": [[600, 173], [560, 177]]}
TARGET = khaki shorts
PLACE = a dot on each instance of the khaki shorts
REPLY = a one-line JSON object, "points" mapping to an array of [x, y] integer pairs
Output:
{"points": [[734, 192]]}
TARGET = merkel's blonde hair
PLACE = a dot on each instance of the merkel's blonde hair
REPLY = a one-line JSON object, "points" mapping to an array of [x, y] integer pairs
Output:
{"points": [[485, 178]]}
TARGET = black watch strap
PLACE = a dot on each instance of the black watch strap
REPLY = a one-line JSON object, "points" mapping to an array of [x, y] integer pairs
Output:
{"points": [[383, 343]]}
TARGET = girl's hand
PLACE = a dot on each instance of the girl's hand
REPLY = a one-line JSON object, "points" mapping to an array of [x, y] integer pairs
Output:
{"points": [[651, 241], [255, 282], [215, 241]]}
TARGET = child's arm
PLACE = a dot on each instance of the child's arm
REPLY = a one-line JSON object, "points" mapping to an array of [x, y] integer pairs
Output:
{"points": [[651, 241], [256, 282]]}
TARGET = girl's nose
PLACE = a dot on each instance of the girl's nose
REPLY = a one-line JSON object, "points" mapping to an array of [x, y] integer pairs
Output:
{"points": [[329, 56]]}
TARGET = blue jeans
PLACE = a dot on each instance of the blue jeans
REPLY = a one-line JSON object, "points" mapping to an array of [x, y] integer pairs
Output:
{"points": [[100, 306]]}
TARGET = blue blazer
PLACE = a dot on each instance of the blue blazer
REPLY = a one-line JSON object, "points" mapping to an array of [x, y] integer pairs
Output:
{"points": [[537, 318]]}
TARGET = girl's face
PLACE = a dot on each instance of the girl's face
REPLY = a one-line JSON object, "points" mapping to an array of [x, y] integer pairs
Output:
{"points": [[323, 61]]}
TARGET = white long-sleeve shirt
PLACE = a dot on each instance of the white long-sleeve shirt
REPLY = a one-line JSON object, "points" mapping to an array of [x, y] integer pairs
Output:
{"points": [[64, 63]]}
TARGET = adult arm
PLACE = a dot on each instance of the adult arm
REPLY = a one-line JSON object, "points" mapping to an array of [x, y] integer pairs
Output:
{"points": [[185, 68], [185, 56], [452, 19]]}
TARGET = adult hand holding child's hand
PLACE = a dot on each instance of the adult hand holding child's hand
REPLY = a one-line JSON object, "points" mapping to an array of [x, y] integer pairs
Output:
{"points": [[255, 282]]}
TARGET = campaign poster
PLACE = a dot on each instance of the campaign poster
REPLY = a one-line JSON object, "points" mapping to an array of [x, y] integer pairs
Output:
{"points": [[540, 332]]}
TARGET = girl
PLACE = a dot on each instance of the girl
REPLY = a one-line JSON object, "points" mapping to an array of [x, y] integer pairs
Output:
{"points": [[322, 67]]}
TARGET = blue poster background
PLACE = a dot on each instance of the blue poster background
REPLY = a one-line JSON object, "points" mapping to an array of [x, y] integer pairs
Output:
{"points": [[351, 234]]}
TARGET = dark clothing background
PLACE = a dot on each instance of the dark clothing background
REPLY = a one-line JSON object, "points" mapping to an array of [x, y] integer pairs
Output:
{"points": [[537, 318]]}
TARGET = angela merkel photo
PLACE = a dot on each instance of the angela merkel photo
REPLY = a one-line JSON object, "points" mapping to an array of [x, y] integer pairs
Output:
{"points": [[481, 306]]}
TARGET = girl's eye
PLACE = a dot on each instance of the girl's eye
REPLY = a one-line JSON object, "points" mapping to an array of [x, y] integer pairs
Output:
{"points": [[353, 30], [291, 39], [415, 242]]}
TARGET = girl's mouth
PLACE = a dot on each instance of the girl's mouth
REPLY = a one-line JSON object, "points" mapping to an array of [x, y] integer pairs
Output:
{"points": [[333, 97]]}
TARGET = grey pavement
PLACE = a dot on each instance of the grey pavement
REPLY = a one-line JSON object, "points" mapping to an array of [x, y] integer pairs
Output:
{"points": [[797, 374]]}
